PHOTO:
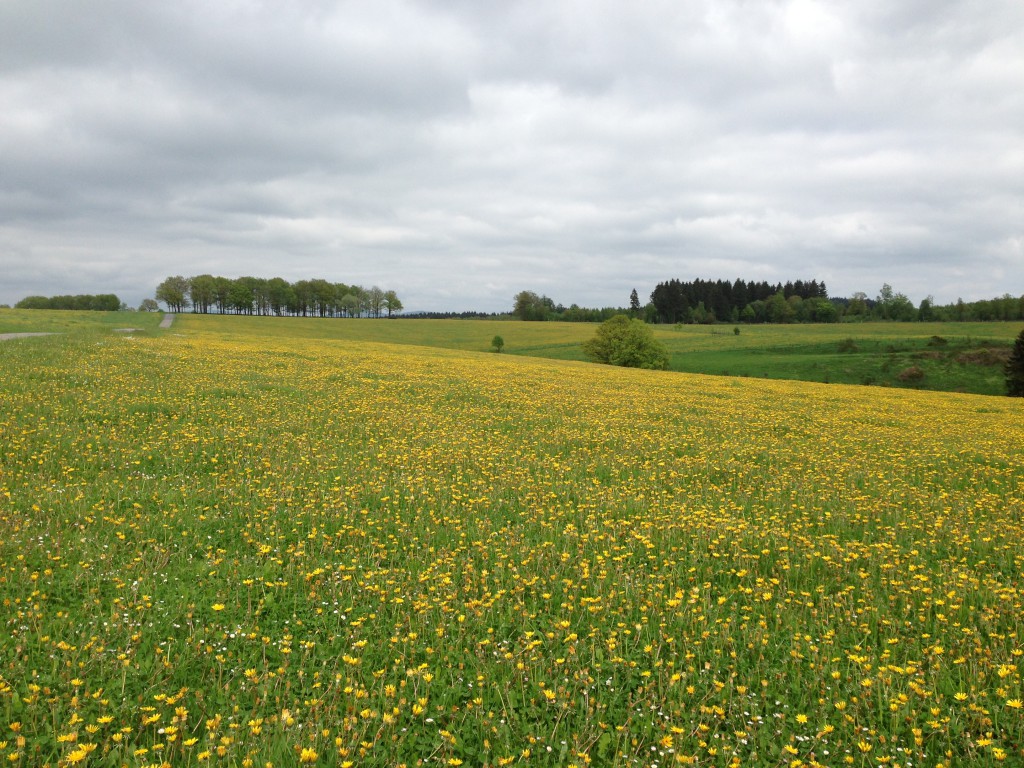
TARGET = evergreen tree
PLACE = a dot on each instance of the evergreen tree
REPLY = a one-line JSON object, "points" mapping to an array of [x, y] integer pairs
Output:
{"points": [[1015, 369]]}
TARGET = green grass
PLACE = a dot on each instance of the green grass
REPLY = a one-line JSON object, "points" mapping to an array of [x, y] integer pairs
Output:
{"points": [[880, 352], [867, 353], [53, 321], [952, 357], [243, 543], [533, 339]]}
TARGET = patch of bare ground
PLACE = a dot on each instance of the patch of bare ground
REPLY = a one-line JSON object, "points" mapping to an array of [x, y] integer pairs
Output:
{"points": [[985, 356], [7, 336]]}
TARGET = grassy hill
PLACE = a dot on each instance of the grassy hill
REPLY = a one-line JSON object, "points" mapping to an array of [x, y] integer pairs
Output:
{"points": [[963, 357], [954, 357]]}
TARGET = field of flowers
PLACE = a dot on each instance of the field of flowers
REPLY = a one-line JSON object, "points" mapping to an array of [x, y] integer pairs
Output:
{"points": [[274, 552], [951, 357]]}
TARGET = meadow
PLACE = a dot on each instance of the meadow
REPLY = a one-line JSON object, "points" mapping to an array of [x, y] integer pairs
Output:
{"points": [[239, 548], [944, 357]]}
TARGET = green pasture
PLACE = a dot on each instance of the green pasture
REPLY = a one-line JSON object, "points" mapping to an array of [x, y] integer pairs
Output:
{"points": [[953, 357], [61, 321], [964, 357]]}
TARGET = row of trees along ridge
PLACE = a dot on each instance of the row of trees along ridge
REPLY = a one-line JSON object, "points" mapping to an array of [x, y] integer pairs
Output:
{"points": [[275, 296], [102, 302]]}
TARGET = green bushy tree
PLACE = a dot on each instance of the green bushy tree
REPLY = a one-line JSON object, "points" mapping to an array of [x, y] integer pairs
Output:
{"points": [[628, 342]]}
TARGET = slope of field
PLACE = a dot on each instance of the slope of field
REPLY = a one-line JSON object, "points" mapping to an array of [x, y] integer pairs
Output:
{"points": [[251, 550], [950, 357], [947, 357]]}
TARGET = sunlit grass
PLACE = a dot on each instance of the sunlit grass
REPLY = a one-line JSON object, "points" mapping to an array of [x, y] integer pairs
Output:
{"points": [[245, 548]]}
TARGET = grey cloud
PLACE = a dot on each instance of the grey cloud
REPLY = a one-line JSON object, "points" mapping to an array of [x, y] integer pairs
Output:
{"points": [[459, 152]]}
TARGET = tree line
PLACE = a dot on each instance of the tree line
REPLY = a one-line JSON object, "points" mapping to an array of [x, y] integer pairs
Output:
{"points": [[528, 305], [705, 301], [207, 294], [740, 301], [709, 301], [103, 302], [698, 301]]}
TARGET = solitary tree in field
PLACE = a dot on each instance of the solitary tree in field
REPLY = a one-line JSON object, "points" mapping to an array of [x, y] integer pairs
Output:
{"points": [[1015, 369], [627, 342], [498, 343]]}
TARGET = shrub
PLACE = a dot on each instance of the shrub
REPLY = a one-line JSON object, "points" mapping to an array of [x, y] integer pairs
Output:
{"points": [[627, 342], [913, 373]]}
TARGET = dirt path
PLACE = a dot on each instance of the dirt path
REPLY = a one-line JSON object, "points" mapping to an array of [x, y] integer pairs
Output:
{"points": [[6, 336], [168, 319]]}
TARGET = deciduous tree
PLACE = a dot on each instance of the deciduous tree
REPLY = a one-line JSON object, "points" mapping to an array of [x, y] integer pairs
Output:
{"points": [[376, 297], [530, 306], [392, 303], [174, 293], [628, 342]]}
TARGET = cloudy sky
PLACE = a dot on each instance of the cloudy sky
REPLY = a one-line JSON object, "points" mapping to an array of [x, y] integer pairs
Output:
{"points": [[459, 151]]}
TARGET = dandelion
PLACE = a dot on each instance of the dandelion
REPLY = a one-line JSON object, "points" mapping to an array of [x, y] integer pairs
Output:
{"points": [[80, 753]]}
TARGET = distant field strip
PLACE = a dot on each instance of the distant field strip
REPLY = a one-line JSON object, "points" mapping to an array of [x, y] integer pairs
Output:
{"points": [[9, 336], [234, 548], [949, 356]]}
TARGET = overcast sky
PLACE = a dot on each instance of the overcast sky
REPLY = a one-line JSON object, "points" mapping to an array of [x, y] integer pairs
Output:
{"points": [[459, 151]]}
